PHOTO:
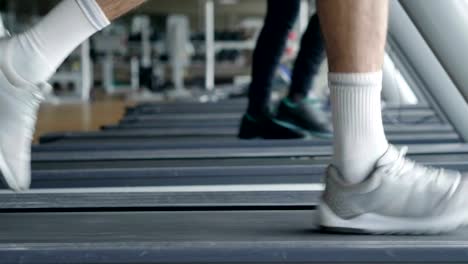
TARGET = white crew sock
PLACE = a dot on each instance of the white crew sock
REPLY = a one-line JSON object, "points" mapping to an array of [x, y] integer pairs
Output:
{"points": [[359, 137], [36, 54]]}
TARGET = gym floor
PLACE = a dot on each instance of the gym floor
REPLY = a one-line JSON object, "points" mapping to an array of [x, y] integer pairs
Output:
{"points": [[80, 116]]}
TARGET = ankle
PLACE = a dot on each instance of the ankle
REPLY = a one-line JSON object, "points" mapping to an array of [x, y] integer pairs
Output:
{"points": [[354, 164], [353, 171], [26, 64]]}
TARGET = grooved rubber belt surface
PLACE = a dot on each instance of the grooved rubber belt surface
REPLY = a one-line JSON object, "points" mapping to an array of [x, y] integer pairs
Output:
{"points": [[281, 236]]}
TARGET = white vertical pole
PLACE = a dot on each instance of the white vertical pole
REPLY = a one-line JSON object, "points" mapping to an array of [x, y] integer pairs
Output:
{"points": [[86, 72], [209, 45], [146, 42], [134, 73]]}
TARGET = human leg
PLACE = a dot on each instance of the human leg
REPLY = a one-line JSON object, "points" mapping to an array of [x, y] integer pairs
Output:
{"points": [[37, 53], [297, 108], [355, 35], [258, 121], [31, 58], [280, 19], [371, 187], [309, 59]]}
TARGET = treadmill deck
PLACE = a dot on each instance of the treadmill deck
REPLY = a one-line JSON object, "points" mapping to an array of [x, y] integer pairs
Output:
{"points": [[207, 237]]}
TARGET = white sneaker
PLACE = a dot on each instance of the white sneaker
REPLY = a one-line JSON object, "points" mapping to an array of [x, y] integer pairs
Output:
{"points": [[19, 103], [399, 197]]}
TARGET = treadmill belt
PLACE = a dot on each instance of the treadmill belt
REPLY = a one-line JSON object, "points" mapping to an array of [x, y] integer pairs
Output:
{"points": [[180, 163], [232, 109], [236, 187], [84, 144], [233, 131], [233, 104], [416, 117], [226, 107], [273, 152], [163, 198], [435, 159], [422, 128], [241, 102], [236, 122], [188, 176], [262, 236], [150, 134]]}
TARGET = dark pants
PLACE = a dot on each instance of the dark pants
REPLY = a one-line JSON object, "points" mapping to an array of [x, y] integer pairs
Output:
{"points": [[280, 19]]}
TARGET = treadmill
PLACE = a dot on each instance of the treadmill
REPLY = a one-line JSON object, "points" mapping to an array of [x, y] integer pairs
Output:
{"points": [[221, 234]]}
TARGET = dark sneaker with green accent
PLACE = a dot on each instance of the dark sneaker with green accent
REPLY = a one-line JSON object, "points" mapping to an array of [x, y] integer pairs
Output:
{"points": [[266, 127], [306, 115]]}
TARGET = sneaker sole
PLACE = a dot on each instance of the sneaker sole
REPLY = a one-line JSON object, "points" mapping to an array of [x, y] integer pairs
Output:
{"points": [[382, 225], [8, 177]]}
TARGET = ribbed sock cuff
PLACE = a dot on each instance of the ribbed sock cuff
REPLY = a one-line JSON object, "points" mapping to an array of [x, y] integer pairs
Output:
{"points": [[94, 13], [355, 79]]}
